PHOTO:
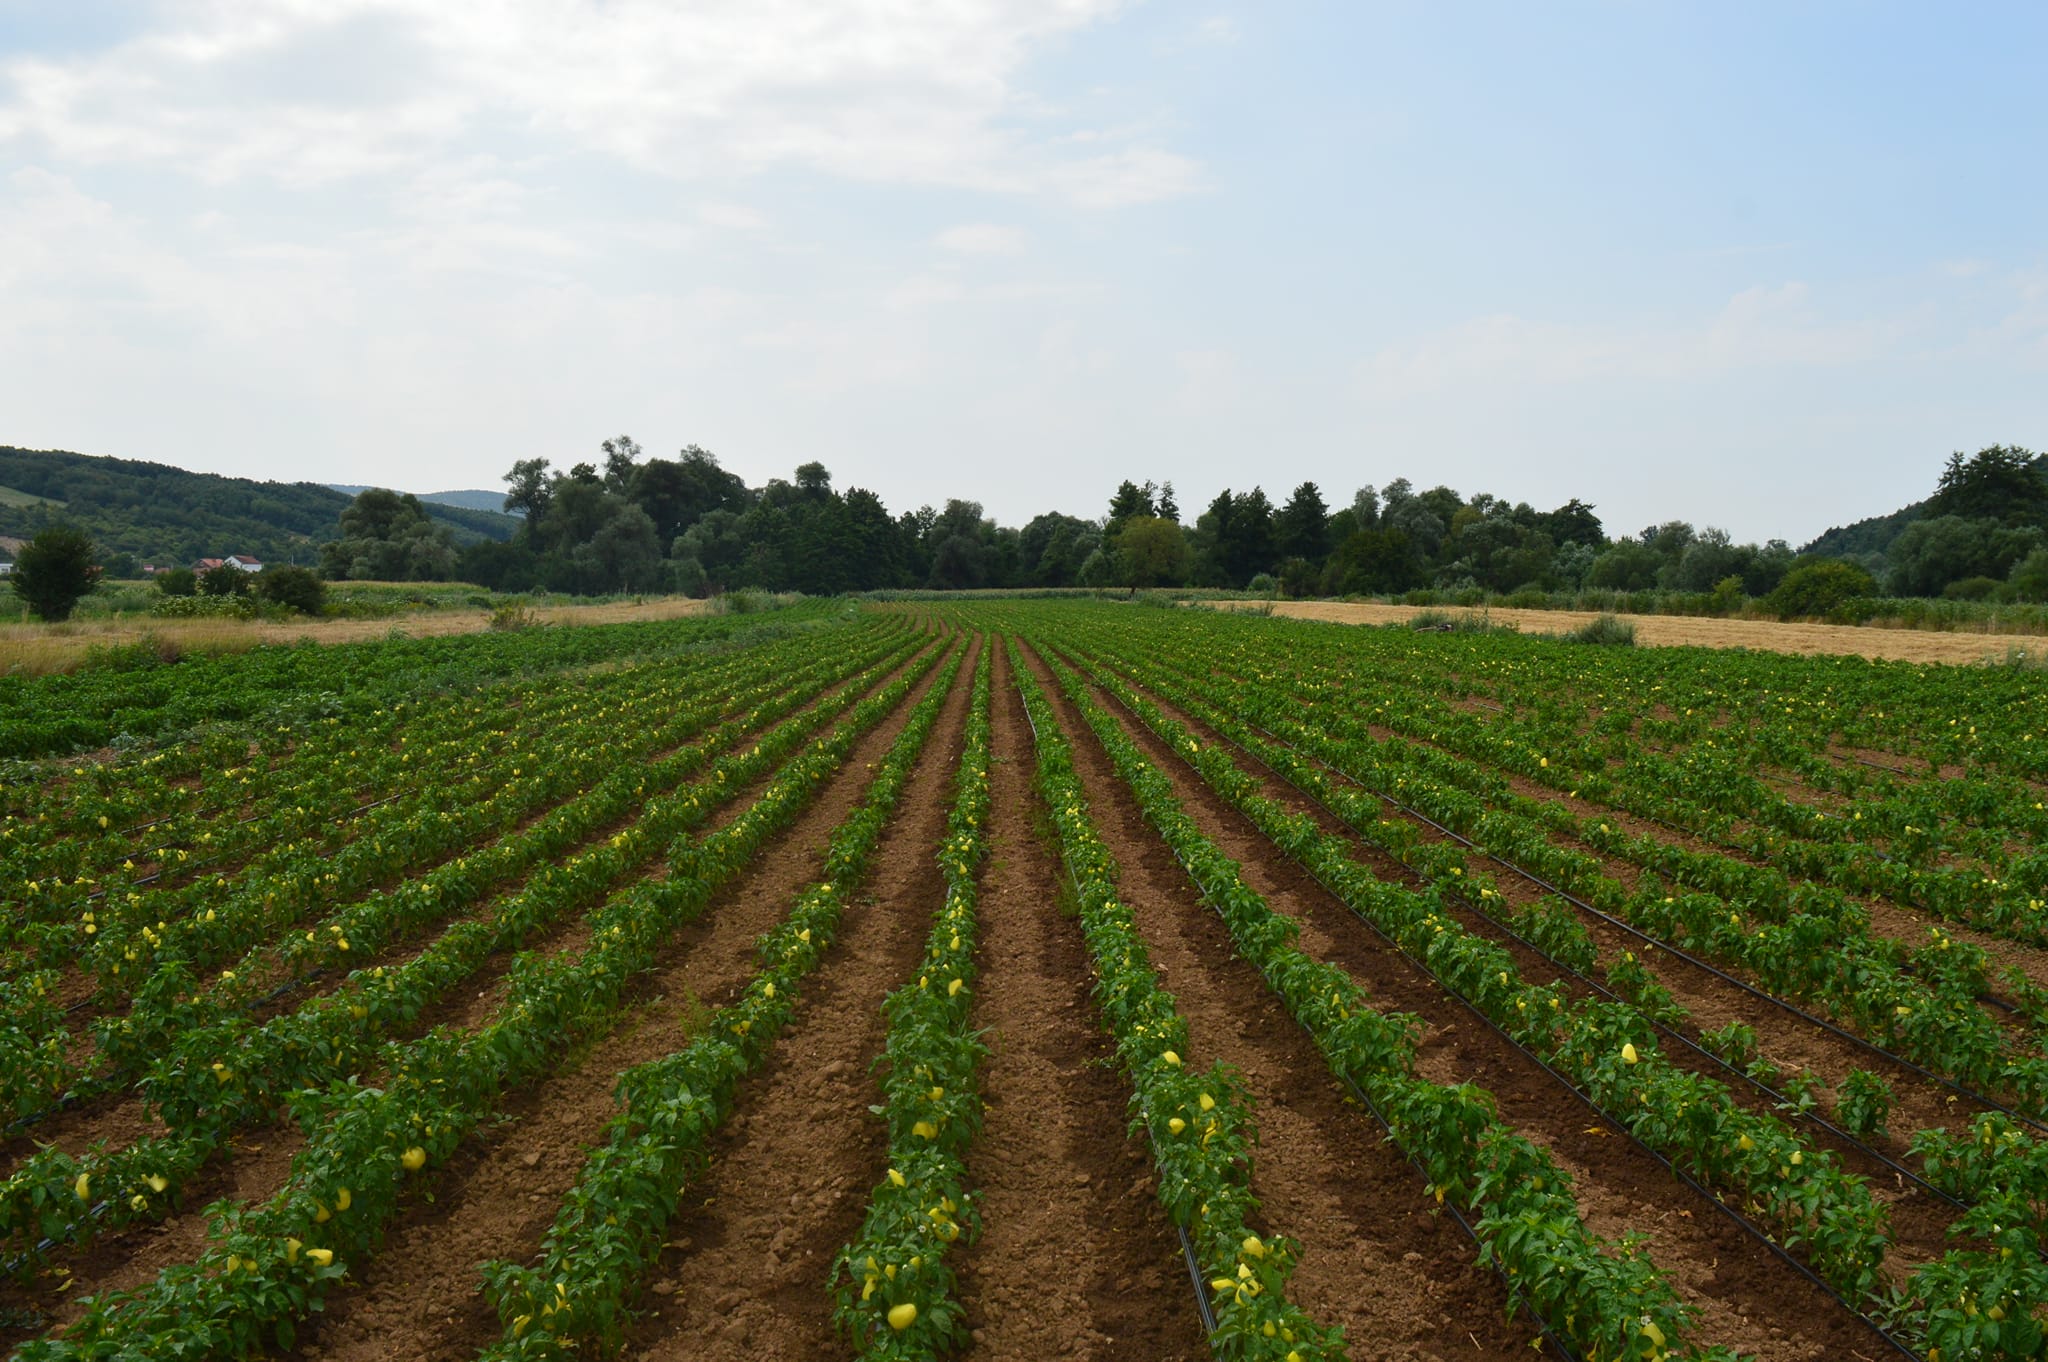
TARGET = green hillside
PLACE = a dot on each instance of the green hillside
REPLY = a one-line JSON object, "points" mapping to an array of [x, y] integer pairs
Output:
{"points": [[1865, 537], [160, 514]]}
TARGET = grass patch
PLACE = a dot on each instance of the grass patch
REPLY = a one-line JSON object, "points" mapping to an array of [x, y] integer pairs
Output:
{"points": [[1604, 631], [1466, 622]]}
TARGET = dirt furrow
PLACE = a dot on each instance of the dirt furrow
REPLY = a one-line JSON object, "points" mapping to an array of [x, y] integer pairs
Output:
{"points": [[418, 1298], [1076, 1258], [747, 1273], [1747, 1298], [1376, 1257]]}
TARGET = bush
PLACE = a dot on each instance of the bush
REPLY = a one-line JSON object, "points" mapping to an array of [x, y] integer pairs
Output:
{"points": [[178, 582], [224, 580], [295, 587], [55, 569], [204, 607], [1820, 588], [515, 614], [1974, 589], [2030, 577], [1470, 622], [1728, 596], [1263, 584], [1604, 631]]}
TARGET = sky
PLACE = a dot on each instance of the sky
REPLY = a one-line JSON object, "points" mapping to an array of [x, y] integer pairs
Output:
{"points": [[1755, 265]]}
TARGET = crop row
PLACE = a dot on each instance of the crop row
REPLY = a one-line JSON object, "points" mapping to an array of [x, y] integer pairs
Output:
{"points": [[1608, 1301], [200, 926], [895, 1293], [1811, 1203], [213, 1078], [265, 1266], [273, 687], [1198, 1123], [611, 1224]]}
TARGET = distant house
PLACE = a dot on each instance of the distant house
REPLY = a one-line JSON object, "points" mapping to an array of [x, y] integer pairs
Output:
{"points": [[241, 561], [10, 549]]}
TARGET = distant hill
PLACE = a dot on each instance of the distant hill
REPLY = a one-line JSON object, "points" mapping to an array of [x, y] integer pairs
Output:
{"points": [[468, 499], [162, 514], [1874, 535]]}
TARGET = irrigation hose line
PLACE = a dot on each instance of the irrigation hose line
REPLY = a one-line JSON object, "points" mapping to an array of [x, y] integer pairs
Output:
{"points": [[1696, 832], [1691, 959], [1778, 1099], [1884, 857], [1194, 1270], [1187, 1248], [1754, 1231]]}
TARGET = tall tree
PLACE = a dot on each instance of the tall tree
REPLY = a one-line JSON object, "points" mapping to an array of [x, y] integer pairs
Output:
{"points": [[527, 490], [620, 455], [2002, 482], [1302, 528], [54, 571]]}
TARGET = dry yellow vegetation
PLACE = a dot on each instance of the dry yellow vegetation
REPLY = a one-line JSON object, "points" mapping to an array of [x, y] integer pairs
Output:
{"points": [[1908, 645], [41, 649]]}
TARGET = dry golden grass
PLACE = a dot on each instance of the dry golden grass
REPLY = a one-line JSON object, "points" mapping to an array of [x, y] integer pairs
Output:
{"points": [[40, 649], [1908, 645]]}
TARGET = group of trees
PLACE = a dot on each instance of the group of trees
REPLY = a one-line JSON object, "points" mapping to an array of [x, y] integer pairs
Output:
{"points": [[1983, 533], [631, 523], [62, 565]]}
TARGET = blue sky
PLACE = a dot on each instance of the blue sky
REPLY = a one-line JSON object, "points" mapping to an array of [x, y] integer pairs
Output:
{"points": [[1756, 266]]}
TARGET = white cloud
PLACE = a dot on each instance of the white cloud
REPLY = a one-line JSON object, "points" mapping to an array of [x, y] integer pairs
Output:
{"points": [[305, 93], [982, 238], [1759, 327], [731, 217]]}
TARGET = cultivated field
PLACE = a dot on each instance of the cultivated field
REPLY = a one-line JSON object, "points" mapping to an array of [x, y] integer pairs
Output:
{"points": [[1020, 980]]}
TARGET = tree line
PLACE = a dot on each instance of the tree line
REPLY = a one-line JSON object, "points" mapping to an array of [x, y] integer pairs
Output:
{"points": [[632, 523]]}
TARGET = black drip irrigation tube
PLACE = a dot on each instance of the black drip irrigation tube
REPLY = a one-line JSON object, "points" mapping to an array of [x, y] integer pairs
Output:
{"points": [[356, 812], [1187, 1247], [1849, 1036], [1778, 1099], [1736, 1217], [1557, 1344], [94, 1088]]}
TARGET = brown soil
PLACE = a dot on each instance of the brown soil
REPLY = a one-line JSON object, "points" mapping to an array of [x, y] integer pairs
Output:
{"points": [[1747, 1299], [1374, 1256], [1908, 645], [418, 1297], [1076, 1258], [748, 1273]]}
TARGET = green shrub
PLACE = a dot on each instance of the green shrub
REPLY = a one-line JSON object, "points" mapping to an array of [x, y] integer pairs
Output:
{"points": [[1604, 631], [294, 587], [1816, 589], [178, 582], [1974, 589], [224, 580], [513, 614]]}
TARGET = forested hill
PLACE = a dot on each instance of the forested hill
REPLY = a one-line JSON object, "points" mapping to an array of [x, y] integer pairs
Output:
{"points": [[158, 514], [468, 498], [1871, 536]]}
